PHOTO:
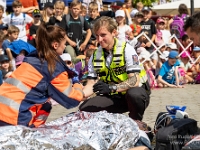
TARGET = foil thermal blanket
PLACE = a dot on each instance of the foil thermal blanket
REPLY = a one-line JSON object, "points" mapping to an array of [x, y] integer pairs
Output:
{"points": [[76, 131]]}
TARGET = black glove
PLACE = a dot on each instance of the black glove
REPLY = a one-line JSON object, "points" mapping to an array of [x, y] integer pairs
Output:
{"points": [[101, 88]]}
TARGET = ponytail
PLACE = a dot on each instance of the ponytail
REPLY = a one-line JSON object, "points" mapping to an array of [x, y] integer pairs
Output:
{"points": [[45, 36]]}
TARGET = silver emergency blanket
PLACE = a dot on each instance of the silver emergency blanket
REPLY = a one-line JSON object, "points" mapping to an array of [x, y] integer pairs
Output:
{"points": [[76, 131]]}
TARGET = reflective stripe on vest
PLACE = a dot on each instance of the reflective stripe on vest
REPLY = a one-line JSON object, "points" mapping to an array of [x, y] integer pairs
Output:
{"points": [[143, 75], [117, 69]]}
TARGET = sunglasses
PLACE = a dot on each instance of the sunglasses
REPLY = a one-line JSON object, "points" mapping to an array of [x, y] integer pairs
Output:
{"points": [[68, 62], [37, 16]]}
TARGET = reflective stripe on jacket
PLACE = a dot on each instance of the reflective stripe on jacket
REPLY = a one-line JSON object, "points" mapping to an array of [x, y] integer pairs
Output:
{"points": [[24, 95]]}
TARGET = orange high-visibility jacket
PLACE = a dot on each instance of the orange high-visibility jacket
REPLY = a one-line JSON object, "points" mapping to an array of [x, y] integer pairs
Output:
{"points": [[24, 96]]}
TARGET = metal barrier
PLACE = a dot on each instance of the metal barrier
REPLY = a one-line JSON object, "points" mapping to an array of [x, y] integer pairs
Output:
{"points": [[157, 49]]}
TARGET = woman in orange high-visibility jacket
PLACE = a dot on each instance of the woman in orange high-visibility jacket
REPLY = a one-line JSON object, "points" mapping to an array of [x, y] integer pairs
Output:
{"points": [[24, 96]]}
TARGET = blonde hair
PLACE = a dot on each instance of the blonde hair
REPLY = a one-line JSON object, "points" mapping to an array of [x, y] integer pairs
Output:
{"points": [[107, 22], [93, 6], [45, 16], [59, 4], [139, 5]]}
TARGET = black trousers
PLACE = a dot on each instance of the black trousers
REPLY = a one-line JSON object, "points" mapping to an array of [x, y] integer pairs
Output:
{"points": [[135, 101]]}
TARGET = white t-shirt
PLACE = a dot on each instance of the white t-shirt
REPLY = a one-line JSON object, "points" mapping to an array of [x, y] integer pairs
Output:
{"points": [[131, 59], [122, 32], [19, 21], [3, 3], [166, 35], [87, 2]]}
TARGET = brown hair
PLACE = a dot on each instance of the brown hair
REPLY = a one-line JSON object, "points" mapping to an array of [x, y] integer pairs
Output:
{"points": [[2, 36], [107, 22], [75, 3], [12, 29], [89, 53], [93, 6], [193, 23], [10, 68], [16, 3], [182, 9], [46, 35], [1, 8]]}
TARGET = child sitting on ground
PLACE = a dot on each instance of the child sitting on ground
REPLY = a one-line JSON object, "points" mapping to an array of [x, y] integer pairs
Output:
{"points": [[17, 48], [196, 67], [159, 26], [12, 35], [68, 61], [171, 46], [185, 42], [82, 67], [144, 57], [2, 36], [5, 66], [168, 75], [184, 69]]}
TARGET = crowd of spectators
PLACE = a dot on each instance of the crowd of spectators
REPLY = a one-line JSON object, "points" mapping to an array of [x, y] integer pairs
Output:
{"points": [[164, 68]]}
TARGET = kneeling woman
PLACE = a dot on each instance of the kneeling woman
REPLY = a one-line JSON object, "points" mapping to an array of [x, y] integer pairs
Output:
{"points": [[24, 96]]}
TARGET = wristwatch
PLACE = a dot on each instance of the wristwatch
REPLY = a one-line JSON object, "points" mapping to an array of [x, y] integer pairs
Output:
{"points": [[113, 88]]}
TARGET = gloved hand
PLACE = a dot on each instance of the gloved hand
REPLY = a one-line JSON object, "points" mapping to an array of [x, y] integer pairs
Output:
{"points": [[101, 88], [75, 79]]}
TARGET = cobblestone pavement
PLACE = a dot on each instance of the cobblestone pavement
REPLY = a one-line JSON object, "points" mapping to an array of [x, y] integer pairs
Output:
{"points": [[188, 96]]}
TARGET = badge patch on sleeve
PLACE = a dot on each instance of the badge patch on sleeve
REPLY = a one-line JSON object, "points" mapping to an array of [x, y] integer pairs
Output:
{"points": [[135, 60]]}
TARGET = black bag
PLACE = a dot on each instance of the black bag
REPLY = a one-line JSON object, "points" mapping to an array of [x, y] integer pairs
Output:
{"points": [[174, 134]]}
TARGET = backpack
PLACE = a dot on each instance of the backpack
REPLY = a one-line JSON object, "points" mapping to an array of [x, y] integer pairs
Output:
{"points": [[176, 26], [11, 18], [172, 134], [67, 18]]}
